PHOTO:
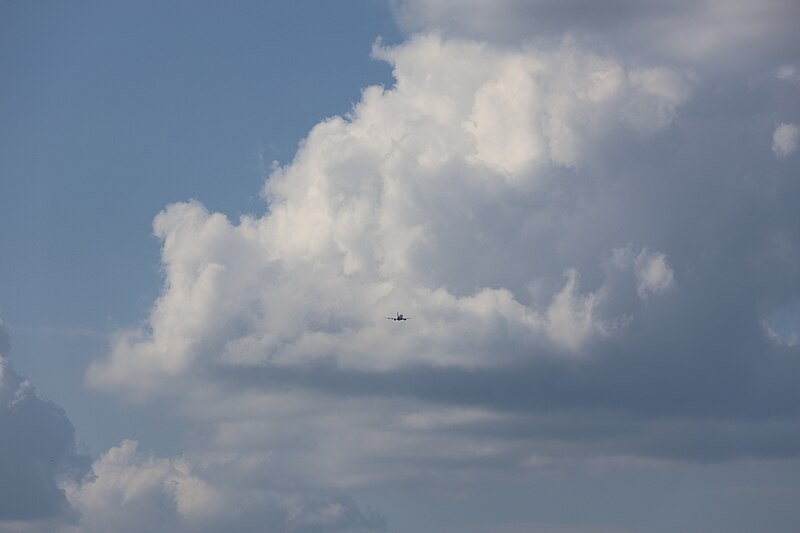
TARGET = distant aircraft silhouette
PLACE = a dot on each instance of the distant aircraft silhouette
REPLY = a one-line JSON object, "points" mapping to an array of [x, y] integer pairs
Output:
{"points": [[398, 317]]}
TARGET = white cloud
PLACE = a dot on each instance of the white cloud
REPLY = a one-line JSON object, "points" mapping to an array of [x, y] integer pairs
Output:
{"points": [[383, 210], [132, 492], [572, 317], [482, 195], [785, 140], [653, 274]]}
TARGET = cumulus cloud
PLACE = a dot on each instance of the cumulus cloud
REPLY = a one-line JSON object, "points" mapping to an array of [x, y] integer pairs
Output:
{"points": [[37, 447], [587, 263], [130, 491], [396, 206], [711, 32], [785, 139], [653, 274]]}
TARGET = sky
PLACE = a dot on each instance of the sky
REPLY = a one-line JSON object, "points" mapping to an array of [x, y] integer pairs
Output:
{"points": [[207, 213]]}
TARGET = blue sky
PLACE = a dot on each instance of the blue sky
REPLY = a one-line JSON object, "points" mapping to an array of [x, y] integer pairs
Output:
{"points": [[207, 212], [111, 111]]}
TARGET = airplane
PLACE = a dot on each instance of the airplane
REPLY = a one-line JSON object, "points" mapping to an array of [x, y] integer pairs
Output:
{"points": [[398, 317]]}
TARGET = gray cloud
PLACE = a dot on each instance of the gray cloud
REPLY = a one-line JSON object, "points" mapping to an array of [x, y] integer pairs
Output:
{"points": [[600, 251], [37, 447], [612, 257], [713, 33]]}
